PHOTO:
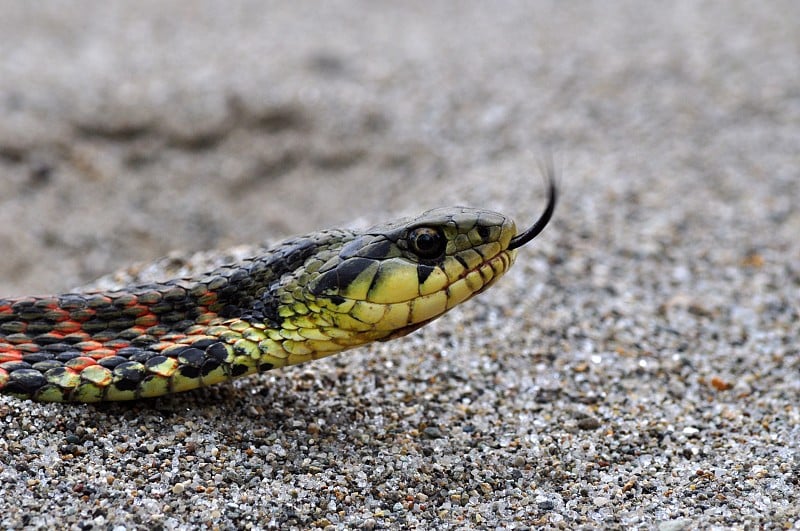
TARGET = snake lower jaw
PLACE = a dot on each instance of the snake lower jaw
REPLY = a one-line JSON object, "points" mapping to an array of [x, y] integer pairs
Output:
{"points": [[400, 332]]}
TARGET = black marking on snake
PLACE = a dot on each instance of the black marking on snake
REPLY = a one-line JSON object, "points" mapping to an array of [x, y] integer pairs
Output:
{"points": [[15, 366], [64, 357], [216, 351], [126, 384], [206, 343], [290, 256], [349, 270], [210, 365], [39, 327], [130, 370], [192, 356], [337, 299], [122, 323], [263, 309], [111, 361], [134, 336], [46, 339], [155, 361], [230, 311], [423, 272], [143, 356], [189, 371], [376, 250], [174, 352], [127, 352], [238, 276], [24, 381], [343, 275], [38, 356], [356, 248], [238, 370]]}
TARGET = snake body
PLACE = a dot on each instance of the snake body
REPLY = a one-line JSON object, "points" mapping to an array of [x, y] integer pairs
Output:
{"points": [[307, 298]]}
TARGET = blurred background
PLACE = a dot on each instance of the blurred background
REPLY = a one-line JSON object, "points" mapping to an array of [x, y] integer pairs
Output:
{"points": [[132, 129]]}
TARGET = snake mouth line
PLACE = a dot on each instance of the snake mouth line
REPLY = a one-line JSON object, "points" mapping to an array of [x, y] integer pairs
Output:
{"points": [[499, 264], [475, 280]]}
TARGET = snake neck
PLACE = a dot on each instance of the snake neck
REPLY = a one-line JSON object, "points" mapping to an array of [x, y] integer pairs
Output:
{"points": [[256, 290], [144, 313]]}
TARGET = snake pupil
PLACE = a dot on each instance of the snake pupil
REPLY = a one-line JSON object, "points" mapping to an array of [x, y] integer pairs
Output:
{"points": [[427, 242]]}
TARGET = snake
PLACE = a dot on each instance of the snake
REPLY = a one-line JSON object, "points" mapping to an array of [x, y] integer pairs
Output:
{"points": [[306, 298]]}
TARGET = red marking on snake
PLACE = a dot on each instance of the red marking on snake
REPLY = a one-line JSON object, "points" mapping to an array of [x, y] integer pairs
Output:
{"points": [[10, 356], [102, 353], [87, 346]]}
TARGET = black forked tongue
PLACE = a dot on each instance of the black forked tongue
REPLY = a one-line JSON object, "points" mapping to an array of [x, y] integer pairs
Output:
{"points": [[527, 235]]}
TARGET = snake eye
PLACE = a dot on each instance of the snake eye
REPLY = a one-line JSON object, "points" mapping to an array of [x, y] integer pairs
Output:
{"points": [[427, 242]]}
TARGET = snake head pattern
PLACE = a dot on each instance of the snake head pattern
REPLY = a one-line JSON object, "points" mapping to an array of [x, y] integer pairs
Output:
{"points": [[393, 278]]}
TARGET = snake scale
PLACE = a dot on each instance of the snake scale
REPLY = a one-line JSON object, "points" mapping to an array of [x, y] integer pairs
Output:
{"points": [[307, 298]]}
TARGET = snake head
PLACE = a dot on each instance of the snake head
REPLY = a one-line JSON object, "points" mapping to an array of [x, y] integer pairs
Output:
{"points": [[393, 278]]}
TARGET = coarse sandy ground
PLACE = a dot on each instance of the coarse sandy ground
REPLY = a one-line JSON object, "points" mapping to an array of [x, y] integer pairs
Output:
{"points": [[638, 367]]}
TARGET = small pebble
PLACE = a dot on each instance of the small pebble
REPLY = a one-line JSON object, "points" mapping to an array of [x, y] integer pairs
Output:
{"points": [[432, 432]]}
